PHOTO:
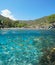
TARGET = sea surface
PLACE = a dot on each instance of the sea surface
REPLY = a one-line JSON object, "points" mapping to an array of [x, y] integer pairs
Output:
{"points": [[24, 47]]}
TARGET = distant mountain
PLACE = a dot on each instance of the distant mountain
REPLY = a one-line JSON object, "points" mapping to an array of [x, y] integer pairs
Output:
{"points": [[44, 22]]}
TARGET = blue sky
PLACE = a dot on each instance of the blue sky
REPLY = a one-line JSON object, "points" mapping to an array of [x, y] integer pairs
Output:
{"points": [[28, 9]]}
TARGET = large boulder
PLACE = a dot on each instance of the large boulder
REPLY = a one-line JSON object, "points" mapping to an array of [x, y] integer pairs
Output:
{"points": [[48, 57]]}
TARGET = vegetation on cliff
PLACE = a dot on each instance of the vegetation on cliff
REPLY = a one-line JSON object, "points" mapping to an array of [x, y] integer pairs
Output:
{"points": [[44, 22]]}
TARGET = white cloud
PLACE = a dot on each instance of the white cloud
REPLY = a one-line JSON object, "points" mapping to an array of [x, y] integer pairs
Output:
{"points": [[7, 13]]}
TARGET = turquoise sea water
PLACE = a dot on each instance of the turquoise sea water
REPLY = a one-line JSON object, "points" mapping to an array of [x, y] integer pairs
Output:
{"points": [[24, 47]]}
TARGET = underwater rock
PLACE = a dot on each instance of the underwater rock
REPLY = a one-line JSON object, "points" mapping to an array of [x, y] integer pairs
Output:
{"points": [[48, 57]]}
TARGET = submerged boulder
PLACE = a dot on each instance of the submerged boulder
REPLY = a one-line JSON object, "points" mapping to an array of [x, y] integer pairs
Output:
{"points": [[48, 57]]}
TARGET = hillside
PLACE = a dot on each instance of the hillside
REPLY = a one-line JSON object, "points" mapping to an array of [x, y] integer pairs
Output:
{"points": [[44, 22]]}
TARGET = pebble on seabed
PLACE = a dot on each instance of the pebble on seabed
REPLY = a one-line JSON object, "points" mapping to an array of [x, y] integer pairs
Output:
{"points": [[29, 64], [12, 48], [6, 52]]}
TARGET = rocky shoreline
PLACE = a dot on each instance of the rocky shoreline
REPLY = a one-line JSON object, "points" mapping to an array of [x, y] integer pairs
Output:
{"points": [[27, 28]]}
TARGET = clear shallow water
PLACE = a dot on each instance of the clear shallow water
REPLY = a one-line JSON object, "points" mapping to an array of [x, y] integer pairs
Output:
{"points": [[24, 47]]}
